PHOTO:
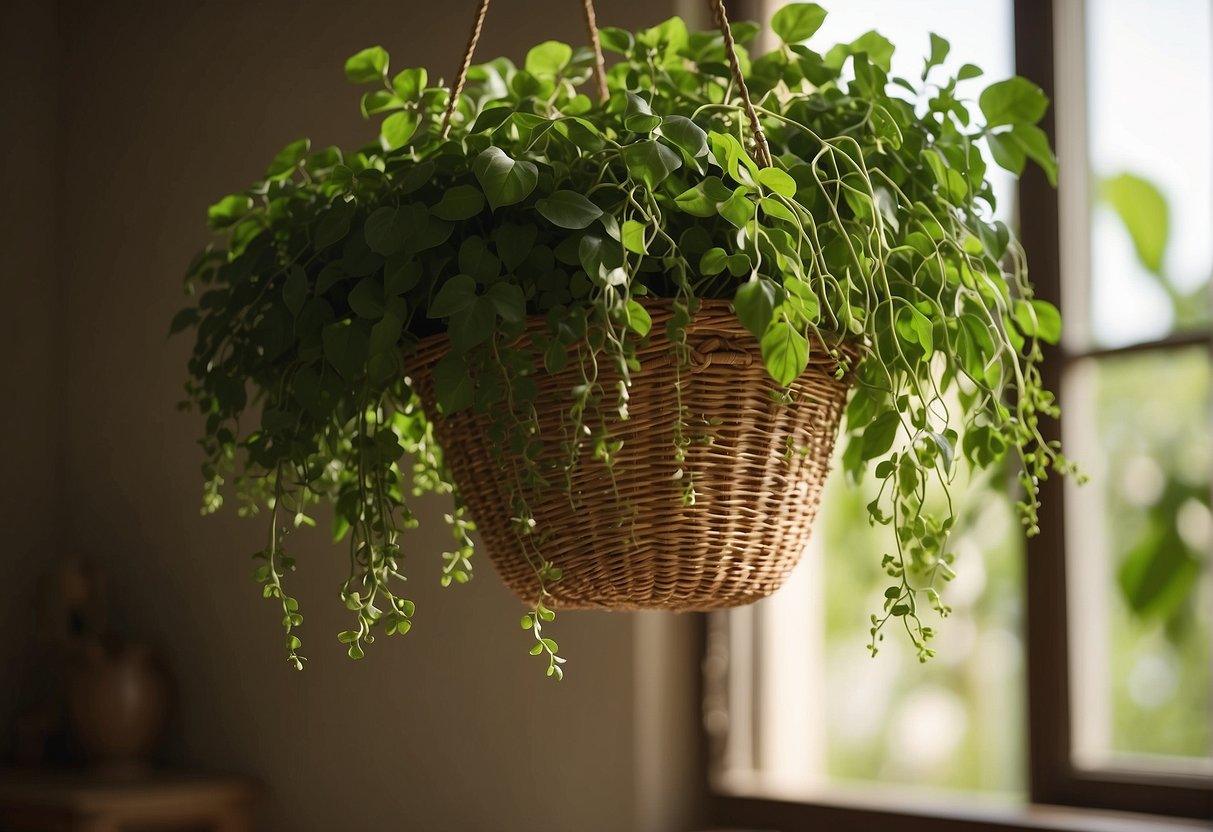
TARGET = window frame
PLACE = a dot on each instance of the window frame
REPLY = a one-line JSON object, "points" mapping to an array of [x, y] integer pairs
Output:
{"points": [[1062, 796]]}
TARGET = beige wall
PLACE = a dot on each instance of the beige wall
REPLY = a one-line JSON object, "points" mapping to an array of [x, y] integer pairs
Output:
{"points": [[162, 108]]}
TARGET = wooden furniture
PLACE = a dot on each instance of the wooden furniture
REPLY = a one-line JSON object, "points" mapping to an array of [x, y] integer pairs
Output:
{"points": [[46, 801]]}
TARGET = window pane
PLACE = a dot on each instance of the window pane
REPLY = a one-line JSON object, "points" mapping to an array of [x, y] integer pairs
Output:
{"points": [[1150, 132], [1140, 534]]}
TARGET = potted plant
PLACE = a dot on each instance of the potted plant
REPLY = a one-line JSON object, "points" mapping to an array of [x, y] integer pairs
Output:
{"points": [[623, 328]]}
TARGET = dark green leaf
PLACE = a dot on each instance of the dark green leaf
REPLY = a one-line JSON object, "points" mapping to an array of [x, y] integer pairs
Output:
{"points": [[686, 135], [456, 294], [386, 229], [294, 290], [459, 203], [568, 209], [504, 180], [453, 387], [508, 301], [346, 348], [366, 298], [650, 162]]}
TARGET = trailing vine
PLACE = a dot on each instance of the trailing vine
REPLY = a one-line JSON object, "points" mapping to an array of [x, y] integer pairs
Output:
{"points": [[872, 232]]}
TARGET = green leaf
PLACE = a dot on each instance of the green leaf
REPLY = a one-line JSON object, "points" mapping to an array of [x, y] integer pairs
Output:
{"points": [[633, 236], [785, 352], [642, 122], [504, 180], [227, 211], [548, 59], [457, 294], [367, 66], [738, 209], [409, 83], [755, 304], [568, 209], [459, 203], [797, 22], [453, 386], [713, 262], [379, 101], [639, 320], [1007, 153], [939, 53], [288, 158], [398, 128], [1145, 214], [704, 199], [775, 209], [778, 181], [1035, 145], [686, 135], [1039, 319], [877, 47], [616, 40], [1014, 101], [294, 290], [968, 71], [650, 162], [346, 348], [879, 435]]}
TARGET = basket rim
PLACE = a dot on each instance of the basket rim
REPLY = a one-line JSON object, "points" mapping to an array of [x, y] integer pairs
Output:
{"points": [[432, 347]]}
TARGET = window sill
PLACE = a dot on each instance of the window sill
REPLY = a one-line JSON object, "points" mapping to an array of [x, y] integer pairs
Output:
{"points": [[884, 815]]}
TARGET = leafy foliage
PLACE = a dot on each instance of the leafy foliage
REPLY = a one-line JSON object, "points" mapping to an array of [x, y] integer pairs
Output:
{"points": [[873, 227]]}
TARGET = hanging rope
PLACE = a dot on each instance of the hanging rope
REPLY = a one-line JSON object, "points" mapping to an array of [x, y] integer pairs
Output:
{"points": [[462, 77], [762, 152], [591, 25]]}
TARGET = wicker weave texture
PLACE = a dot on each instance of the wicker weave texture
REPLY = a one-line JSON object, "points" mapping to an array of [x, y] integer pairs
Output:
{"points": [[758, 465]]}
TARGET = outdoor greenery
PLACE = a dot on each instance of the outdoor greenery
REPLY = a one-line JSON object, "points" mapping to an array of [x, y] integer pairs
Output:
{"points": [[872, 227]]}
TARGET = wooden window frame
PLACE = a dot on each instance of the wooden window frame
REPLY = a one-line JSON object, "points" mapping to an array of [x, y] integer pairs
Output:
{"points": [[1063, 798]]}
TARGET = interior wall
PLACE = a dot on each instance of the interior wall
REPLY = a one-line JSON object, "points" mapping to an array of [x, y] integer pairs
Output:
{"points": [[166, 107], [31, 336]]}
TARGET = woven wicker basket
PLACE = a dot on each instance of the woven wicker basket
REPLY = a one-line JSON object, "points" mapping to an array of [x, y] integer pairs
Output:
{"points": [[758, 467]]}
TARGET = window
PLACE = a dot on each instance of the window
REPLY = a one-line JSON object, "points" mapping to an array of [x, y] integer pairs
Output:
{"points": [[1075, 671]]}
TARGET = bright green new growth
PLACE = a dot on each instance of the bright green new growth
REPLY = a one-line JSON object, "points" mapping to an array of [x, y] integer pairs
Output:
{"points": [[873, 227]]}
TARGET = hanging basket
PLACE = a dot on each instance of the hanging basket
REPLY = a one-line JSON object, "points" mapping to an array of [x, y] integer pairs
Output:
{"points": [[625, 537]]}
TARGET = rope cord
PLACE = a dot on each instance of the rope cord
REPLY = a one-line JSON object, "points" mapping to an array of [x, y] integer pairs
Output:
{"points": [[762, 152]]}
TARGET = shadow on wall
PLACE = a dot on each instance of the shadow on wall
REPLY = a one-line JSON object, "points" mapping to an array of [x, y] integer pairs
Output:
{"points": [[135, 116]]}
